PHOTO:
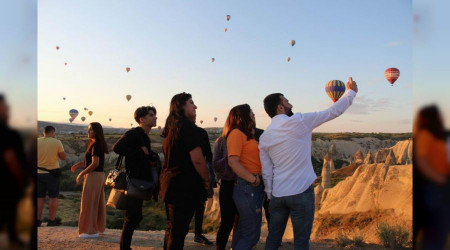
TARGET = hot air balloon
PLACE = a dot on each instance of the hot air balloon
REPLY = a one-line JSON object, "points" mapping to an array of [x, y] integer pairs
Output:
{"points": [[131, 124], [57, 47], [335, 89], [288, 59], [90, 113], [228, 18], [292, 43], [70, 120], [226, 29], [212, 59], [83, 118], [128, 97], [110, 119], [392, 75], [201, 121], [215, 119], [64, 98], [73, 113], [128, 69], [65, 64], [159, 127], [85, 109]]}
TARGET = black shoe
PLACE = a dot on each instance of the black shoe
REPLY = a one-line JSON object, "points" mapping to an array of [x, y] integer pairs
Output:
{"points": [[53, 223], [38, 223], [202, 240]]}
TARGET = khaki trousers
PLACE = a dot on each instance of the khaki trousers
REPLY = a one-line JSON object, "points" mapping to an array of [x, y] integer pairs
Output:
{"points": [[93, 207]]}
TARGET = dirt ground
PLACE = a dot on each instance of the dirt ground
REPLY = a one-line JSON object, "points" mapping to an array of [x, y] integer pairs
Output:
{"points": [[67, 238]]}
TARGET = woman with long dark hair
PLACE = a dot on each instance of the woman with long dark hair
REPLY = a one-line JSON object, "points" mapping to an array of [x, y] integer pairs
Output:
{"points": [[184, 176], [431, 173], [248, 193], [92, 220]]}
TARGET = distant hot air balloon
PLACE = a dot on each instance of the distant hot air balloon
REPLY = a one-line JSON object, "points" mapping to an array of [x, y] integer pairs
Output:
{"points": [[226, 29], [335, 89], [201, 121], [64, 98], [83, 118], [128, 97], [128, 69], [212, 59], [228, 18], [288, 59], [159, 127], [292, 43], [131, 124], [90, 113], [65, 64], [57, 47], [85, 109], [392, 74], [70, 120], [110, 119], [73, 113], [215, 119]]}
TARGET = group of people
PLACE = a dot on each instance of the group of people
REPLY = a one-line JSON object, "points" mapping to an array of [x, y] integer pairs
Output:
{"points": [[255, 167]]}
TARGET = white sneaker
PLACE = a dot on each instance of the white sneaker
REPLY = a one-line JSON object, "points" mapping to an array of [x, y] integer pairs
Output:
{"points": [[88, 236]]}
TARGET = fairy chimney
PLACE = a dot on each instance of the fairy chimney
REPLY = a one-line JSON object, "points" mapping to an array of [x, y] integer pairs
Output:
{"points": [[368, 159], [326, 178], [390, 159], [358, 157]]}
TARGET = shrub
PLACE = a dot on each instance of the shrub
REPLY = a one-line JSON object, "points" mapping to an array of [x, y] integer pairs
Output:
{"points": [[358, 240], [343, 240], [392, 236]]}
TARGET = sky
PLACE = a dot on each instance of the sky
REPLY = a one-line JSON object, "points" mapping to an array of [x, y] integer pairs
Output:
{"points": [[169, 45], [18, 60]]}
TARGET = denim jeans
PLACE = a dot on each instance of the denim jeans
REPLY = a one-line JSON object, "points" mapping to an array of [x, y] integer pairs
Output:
{"points": [[301, 209], [248, 200]]}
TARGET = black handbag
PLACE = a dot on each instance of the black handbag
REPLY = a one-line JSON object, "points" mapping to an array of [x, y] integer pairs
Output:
{"points": [[117, 177], [143, 189]]}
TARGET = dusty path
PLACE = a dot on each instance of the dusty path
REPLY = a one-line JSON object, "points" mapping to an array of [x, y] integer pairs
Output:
{"points": [[67, 238]]}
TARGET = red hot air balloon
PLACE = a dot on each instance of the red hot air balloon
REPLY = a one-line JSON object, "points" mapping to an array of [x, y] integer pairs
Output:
{"points": [[57, 47], [127, 69], [392, 74]]}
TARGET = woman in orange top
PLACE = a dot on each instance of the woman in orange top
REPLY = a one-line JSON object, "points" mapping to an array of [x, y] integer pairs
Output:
{"points": [[243, 158], [431, 172]]}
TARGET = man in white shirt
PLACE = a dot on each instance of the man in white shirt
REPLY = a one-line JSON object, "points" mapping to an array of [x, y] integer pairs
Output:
{"points": [[285, 152]]}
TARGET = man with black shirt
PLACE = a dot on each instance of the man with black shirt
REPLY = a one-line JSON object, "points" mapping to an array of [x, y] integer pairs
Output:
{"points": [[135, 146]]}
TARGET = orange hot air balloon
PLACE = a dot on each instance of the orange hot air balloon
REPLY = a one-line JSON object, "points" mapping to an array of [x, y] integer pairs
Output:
{"points": [[128, 97], [201, 121], [90, 113], [128, 69], [292, 43], [226, 29], [57, 47], [288, 59], [392, 74]]}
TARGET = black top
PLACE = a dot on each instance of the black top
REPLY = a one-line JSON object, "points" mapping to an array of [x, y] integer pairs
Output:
{"points": [[206, 146], [180, 182], [95, 149], [137, 163], [10, 139]]}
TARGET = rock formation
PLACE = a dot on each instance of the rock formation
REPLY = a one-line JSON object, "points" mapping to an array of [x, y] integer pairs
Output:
{"points": [[326, 177], [368, 159], [358, 157], [390, 159]]}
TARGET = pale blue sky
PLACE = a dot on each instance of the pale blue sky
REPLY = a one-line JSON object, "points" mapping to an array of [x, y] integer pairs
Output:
{"points": [[18, 60], [169, 44]]}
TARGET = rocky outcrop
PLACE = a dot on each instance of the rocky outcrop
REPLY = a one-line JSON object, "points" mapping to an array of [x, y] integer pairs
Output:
{"points": [[380, 155], [403, 152], [374, 186], [326, 177], [358, 157], [368, 159], [390, 159]]}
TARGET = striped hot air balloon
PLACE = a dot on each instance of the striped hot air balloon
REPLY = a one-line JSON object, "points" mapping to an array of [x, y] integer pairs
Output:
{"points": [[335, 89], [392, 75]]}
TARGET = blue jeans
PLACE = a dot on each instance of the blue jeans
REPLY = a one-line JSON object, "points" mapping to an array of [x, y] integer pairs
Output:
{"points": [[301, 209], [248, 200]]}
